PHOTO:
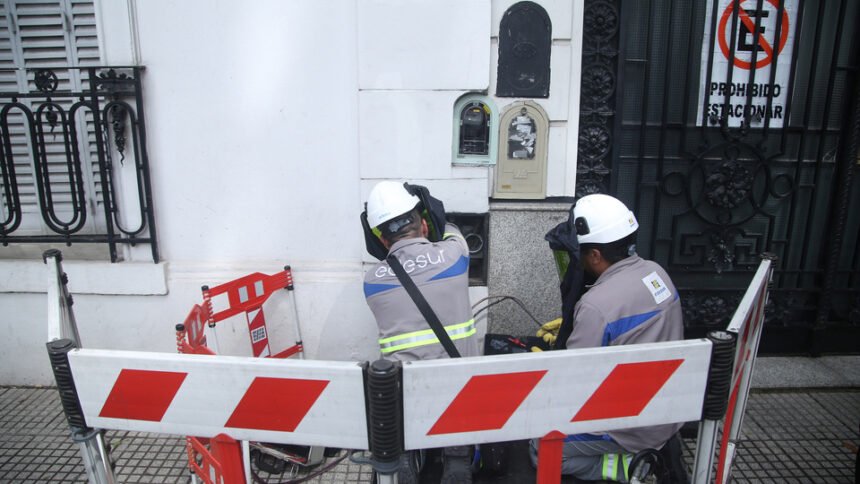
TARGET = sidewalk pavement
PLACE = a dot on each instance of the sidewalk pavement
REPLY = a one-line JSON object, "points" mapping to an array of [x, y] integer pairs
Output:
{"points": [[800, 427]]}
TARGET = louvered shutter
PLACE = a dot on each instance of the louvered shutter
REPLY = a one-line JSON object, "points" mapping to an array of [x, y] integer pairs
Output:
{"points": [[53, 34]]}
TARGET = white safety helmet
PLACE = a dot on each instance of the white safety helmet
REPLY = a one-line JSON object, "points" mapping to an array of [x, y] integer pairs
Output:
{"points": [[601, 219], [388, 200]]}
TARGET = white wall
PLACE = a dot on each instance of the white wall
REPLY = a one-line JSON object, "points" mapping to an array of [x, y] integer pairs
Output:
{"points": [[268, 122]]}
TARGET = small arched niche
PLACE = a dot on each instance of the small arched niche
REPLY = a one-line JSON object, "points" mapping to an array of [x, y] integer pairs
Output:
{"points": [[525, 44], [475, 137]]}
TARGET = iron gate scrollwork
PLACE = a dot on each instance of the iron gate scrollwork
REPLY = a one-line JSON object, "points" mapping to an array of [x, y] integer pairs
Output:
{"points": [[597, 98], [102, 120], [718, 180]]}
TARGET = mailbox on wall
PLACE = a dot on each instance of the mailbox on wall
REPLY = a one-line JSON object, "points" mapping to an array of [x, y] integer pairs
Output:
{"points": [[521, 167]]}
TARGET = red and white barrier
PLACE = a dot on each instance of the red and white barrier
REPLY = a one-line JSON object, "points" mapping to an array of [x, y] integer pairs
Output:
{"points": [[281, 401], [445, 402], [747, 323], [512, 397], [246, 296]]}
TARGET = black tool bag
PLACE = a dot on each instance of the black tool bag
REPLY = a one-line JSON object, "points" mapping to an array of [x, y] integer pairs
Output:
{"points": [[505, 344]]}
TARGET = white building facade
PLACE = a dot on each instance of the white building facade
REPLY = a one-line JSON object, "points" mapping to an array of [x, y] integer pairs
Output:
{"points": [[267, 124]]}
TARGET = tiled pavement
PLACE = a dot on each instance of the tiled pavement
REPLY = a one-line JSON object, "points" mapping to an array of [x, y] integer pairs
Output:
{"points": [[791, 436]]}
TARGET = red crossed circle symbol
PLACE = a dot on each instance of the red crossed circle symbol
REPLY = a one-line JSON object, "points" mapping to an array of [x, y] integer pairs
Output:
{"points": [[763, 44]]}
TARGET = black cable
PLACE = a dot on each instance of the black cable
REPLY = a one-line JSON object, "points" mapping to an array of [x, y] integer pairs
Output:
{"points": [[502, 298], [331, 465]]}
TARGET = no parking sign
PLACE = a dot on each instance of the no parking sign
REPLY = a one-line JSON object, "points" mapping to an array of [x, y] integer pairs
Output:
{"points": [[748, 45]]}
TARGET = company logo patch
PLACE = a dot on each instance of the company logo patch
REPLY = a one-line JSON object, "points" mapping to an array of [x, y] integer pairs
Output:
{"points": [[420, 261], [657, 287]]}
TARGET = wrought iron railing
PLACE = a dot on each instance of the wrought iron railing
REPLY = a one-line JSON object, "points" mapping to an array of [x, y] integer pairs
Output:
{"points": [[92, 136]]}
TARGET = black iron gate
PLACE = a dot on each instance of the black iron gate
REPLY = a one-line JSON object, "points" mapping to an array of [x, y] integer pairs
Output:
{"points": [[722, 164]]}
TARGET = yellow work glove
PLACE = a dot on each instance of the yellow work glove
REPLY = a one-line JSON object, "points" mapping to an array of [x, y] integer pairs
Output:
{"points": [[549, 331], [536, 349]]}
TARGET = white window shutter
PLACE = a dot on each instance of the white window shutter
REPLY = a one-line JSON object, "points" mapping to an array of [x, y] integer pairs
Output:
{"points": [[54, 34]]}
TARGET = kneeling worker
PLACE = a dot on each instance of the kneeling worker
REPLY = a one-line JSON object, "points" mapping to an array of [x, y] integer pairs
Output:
{"points": [[440, 271], [632, 301]]}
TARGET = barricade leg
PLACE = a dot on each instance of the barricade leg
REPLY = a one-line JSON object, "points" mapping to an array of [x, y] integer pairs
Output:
{"points": [[706, 444], [228, 452], [549, 458], [292, 302]]}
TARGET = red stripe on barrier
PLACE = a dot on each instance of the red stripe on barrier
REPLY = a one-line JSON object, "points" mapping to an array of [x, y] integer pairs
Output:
{"points": [[486, 402], [627, 390], [142, 394], [277, 404]]}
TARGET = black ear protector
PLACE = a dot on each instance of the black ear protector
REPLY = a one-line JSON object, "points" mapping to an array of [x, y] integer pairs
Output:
{"points": [[581, 226]]}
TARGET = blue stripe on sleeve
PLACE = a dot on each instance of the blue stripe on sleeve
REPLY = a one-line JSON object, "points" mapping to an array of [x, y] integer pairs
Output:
{"points": [[371, 289], [459, 267], [616, 328]]}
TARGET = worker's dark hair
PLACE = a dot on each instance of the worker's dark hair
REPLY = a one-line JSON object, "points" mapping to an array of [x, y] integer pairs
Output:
{"points": [[405, 226], [614, 251]]}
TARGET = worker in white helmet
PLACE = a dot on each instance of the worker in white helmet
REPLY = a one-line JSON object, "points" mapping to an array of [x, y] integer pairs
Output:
{"points": [[440, 271], [632, 301]]}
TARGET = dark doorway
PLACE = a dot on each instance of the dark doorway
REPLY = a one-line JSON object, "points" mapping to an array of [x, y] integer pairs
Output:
{"points": [[731, 130]]}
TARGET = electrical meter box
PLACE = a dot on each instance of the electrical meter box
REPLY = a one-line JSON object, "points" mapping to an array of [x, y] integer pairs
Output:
{"points": [[521, 167]]}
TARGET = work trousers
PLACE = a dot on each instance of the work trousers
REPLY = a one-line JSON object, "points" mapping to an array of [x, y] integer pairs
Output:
{"points": [[590, 457], [456, 465]]}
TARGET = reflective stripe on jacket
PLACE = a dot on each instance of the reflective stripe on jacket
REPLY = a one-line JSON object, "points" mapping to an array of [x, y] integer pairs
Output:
{"points": [[609, 467], [425, 337]]}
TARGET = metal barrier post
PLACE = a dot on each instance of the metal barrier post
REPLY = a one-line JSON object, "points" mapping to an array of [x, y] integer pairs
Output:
{"points": [[61, 318], [63, 337], [97, 465], [291, 288]]}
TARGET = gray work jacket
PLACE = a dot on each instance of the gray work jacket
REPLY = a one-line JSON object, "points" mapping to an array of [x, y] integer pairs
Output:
{"points": [[633, 301], [441, 272]]}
